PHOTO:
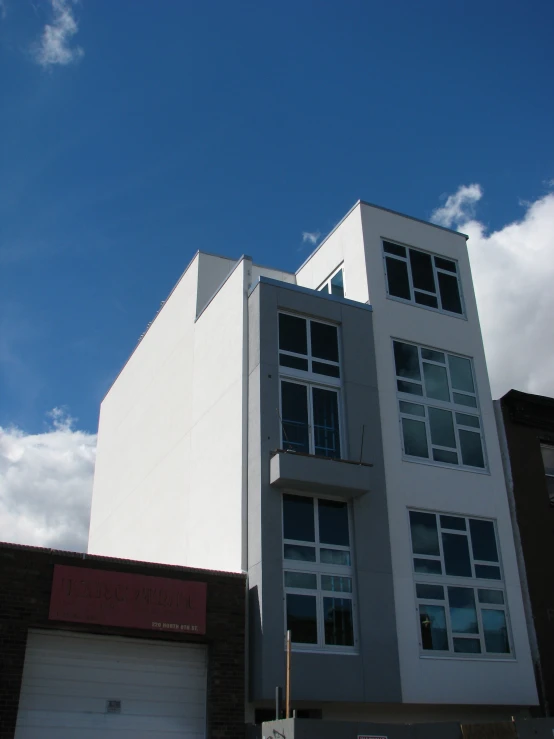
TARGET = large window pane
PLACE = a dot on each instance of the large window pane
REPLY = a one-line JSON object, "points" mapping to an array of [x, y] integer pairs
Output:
{"points": [[495, 597], [333, 522], [450, 294], [287, 360], [292, 334], [453, 522], [487, 572], [339, 628], [460, 374], [422, 271], [432, 621], [467, 646], [429, 592], [400, 251], [483, 540], [294, 412], [472, 448], [468, 400], [425, 299], [336, 583], [456, 555], [463, 614], [415, 438], [425, 539], [299, 553], [406, 360], [325, 343], [335, 557], [414, 409], [301, 618], [496, 631], [427, 566], [298, 518], [305, 580], [397, 278], [326, 423], [436, 382], [442, 427]]}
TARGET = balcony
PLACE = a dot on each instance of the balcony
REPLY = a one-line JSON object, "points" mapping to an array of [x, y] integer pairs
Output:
{"points": [[319, 475]]}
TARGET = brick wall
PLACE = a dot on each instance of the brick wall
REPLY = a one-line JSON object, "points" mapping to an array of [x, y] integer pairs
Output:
{"points": [[25, 582]]}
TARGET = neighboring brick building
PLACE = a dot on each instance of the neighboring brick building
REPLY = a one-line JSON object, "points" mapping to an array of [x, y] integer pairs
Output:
{"points": [[134, 676], [528, 422]]}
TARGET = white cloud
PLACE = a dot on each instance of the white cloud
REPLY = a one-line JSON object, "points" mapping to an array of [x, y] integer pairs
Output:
{"points": [[46, 484], [54, 46], [459, 207], [311, 237], [3, 9], [513, 274]]}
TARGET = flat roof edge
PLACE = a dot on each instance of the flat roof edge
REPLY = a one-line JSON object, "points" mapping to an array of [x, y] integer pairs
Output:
{"points": [[308, 291]]}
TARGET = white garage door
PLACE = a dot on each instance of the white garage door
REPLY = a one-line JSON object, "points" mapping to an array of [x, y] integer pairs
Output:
{"points": [[87, 687]]}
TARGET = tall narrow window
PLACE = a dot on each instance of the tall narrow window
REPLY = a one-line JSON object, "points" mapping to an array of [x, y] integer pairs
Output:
{"points": [[458, 582], [310, 386], [547, 451], [317, 573], [438, 406], [422, 278]]}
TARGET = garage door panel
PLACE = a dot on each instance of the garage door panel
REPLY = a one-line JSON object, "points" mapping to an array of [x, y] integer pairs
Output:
{"points": [[37, 690], [69, 678]]}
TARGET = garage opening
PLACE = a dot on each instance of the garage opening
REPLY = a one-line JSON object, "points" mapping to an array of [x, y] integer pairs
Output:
{"points": [[90, 686]]}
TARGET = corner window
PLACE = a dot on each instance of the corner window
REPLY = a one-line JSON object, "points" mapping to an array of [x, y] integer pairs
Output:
{"points": [[317, 573], [310, 384], [422, 278], [547, 451], [334, 285], [460, 596], [437, 400]]}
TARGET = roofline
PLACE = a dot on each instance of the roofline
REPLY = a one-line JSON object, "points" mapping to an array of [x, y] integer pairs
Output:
{"points": [[519, 395], [387, 210], [102, 558], [262, 280]]}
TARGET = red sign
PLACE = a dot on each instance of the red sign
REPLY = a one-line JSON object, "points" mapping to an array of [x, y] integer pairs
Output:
{"points": [[122, 599]]}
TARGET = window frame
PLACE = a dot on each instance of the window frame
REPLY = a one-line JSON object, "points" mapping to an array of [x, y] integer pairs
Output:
{"points": [[310, 386], [311, 380], [436, 271], [327, 282], [455, 409], [473, 583], [319, 569]]}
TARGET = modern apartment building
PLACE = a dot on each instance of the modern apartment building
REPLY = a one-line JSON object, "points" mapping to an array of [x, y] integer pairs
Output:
{"points": [[331, 432], [526, 429]]}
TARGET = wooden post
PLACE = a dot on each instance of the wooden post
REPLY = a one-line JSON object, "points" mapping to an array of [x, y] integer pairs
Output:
{"points": [[287, 688]]}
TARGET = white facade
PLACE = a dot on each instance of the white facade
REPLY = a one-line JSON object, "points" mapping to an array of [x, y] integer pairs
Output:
{"points": [[171, 482]]}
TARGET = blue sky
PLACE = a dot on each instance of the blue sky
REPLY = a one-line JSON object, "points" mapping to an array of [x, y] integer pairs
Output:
{"points": [[234, 127], [134, 132]]}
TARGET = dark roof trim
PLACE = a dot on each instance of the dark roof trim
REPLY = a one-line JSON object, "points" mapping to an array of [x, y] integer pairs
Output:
{"points": [[308, 291]]}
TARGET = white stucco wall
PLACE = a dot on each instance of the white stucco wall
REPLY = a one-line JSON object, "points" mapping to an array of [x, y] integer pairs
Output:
{"points": [[425, 486], [168, 479]]}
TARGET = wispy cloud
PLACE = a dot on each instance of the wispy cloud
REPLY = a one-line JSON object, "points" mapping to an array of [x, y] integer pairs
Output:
{"points": [[3, 10], [46, 484], [54, 46], [513, 274], [459, 207], [311, 237]]}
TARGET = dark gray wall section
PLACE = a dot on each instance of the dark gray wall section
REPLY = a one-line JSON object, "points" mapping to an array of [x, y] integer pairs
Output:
{"points": [[373, 675]]}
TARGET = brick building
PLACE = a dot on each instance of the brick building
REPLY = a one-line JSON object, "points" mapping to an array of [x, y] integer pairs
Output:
{"points": [[93, 646], [526, 425]]}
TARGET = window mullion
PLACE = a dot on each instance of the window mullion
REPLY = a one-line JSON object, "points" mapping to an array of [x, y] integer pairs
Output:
{"points": [[436, 281], [428, 433], [449, 632], [410, 277], [479, 621]]}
